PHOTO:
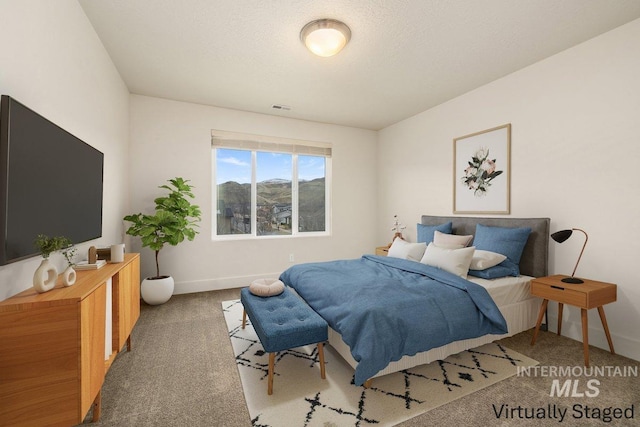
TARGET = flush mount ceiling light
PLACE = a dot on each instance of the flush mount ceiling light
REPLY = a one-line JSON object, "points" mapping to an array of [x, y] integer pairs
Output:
{"points": [[325, 37]]}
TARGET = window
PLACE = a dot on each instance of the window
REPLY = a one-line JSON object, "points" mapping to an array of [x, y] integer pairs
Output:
{"points": [[267, 186]]}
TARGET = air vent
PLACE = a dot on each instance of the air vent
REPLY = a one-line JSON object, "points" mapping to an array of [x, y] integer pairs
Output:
{"points": [[281, 107]]}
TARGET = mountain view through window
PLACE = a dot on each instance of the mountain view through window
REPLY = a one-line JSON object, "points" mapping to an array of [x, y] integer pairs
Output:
{"points": [[290, 193]]}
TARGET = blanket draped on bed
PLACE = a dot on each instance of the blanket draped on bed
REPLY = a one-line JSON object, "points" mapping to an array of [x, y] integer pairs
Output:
{"points": [[385, 308]]}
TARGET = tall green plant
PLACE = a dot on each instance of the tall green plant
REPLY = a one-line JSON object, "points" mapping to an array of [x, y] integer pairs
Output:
{"points": [[174, 220]]}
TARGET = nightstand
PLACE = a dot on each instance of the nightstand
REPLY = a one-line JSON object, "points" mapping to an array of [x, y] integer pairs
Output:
{"points": [[382, 250], [590, 294]]}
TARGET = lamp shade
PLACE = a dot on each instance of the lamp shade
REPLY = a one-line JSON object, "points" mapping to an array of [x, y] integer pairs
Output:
{"points": [[325, 37], [562, 235]]}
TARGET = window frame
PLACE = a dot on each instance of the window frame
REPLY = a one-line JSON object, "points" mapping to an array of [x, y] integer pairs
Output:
{"points": [[268, 144]]}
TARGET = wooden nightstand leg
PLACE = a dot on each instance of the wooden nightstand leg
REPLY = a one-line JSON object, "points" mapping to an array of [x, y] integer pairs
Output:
{"points": [[560, 307], [585, 335], [603, 318], [543, 308]]}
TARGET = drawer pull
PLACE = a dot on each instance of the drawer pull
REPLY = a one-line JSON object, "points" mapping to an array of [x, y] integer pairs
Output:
{"points": [[557, 287]]}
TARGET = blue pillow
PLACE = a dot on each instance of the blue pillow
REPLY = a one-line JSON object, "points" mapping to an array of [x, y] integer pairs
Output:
{"points": [[425, 232], [509, 242], [504, 269]]}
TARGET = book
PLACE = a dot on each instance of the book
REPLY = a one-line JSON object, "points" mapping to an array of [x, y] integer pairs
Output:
{"points": [[84, 265]]}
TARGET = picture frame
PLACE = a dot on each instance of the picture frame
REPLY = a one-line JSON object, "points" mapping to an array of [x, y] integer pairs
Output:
{"points": [[482, 172]]}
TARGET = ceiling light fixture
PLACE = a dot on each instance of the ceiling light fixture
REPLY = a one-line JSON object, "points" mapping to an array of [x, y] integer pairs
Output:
{"points": [[325, 37]]}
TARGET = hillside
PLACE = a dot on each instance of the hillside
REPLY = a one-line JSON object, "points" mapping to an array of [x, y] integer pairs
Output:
{"points": [[234, 199]]}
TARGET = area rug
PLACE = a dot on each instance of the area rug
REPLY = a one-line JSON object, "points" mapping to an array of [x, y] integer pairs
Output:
{"points": [[302, 399]]}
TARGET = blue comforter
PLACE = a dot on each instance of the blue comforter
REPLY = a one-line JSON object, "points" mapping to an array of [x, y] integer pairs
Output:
{"points": [[385, 308]]}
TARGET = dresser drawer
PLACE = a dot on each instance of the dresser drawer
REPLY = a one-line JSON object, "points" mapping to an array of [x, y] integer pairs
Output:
{"points": [[559, 294]]}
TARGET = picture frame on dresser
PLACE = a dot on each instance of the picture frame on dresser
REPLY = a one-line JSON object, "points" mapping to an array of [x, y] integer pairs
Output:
{"points": [[482, 172]]}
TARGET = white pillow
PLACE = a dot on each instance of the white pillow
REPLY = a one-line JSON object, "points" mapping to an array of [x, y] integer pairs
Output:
{"points": [[405, 250], [485, 259], [454, 261], [451, 241]]}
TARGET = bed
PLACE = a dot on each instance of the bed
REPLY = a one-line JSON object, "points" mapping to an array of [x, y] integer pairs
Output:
{"points": [[480, 312]]}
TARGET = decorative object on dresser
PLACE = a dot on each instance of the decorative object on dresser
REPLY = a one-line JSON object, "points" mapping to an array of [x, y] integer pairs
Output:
{"points": [[585, 295], [56, 347], [44, 278], [173, 221], [560, 237], [69, 274], [117, 252], [482, 171]]}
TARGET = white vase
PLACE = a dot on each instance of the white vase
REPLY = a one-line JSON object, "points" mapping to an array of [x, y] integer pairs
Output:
{"points": [[45, 276], [69, 276], [155, 291]]}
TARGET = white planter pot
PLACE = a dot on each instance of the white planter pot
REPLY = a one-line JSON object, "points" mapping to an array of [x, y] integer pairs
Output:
{"points": [[45, 276], [69, 276], [155, 291]]}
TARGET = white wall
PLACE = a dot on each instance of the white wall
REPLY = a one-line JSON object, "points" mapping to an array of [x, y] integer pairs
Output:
{"points": [[53, 62], [170, 138], [575, 154]]}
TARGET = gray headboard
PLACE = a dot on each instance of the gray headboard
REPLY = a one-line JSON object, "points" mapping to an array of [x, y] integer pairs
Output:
{"points": [[535, 257]]}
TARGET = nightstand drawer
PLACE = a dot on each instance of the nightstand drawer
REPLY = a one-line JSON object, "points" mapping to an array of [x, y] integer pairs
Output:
{"points": [[559, 293], [382, 250]]}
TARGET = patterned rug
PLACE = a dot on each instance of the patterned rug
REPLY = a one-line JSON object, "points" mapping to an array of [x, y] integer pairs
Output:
{"points": [[301, 398]]}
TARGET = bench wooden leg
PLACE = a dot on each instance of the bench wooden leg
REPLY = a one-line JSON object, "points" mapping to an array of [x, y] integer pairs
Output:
{"points": [[367, 383], [321, 358], [244, 318], [272, 359]]}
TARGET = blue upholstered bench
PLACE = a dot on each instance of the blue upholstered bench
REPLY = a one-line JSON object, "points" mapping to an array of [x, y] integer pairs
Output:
{"points": [[282, 322]]}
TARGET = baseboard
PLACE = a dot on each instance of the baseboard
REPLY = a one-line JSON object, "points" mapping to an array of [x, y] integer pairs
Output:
{"points": [[218, 284], [622, 345]]}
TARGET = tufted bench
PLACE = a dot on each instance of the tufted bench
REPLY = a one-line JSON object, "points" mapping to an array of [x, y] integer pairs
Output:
{"points": [[282, 322]]}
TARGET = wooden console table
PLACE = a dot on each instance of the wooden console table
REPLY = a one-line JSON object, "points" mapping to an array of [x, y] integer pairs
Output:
{"points": [[53, 350]]}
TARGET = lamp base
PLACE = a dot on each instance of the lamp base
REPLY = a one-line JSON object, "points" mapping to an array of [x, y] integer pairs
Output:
{"points": [[574, 280]]}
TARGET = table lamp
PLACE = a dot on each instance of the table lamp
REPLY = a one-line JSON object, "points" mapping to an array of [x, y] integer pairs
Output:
{"points": [[560, 237]]}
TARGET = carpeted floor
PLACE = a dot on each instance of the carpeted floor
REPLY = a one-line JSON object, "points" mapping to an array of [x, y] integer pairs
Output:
{"points": [[181, 372]]}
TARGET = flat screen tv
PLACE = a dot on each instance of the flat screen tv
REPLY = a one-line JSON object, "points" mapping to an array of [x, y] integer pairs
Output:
{"points": [[50, 183]]}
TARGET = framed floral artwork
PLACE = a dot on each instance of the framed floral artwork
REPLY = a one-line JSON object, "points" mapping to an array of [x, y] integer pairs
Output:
{"points": [[482, 172]]}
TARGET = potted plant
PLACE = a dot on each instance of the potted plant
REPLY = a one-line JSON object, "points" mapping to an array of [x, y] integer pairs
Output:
{"points": [[175, 219], [45, 276]]}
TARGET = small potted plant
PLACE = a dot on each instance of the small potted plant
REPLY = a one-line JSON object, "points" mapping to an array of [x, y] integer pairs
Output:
{"points": [[174, 220], [45, 276]]}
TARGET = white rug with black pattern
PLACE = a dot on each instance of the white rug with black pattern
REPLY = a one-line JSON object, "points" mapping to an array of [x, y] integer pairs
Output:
{"points": [[301, 398]]}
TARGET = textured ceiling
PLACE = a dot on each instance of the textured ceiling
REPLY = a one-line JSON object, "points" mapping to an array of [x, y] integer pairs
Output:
{"points": [[405, 56]]}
